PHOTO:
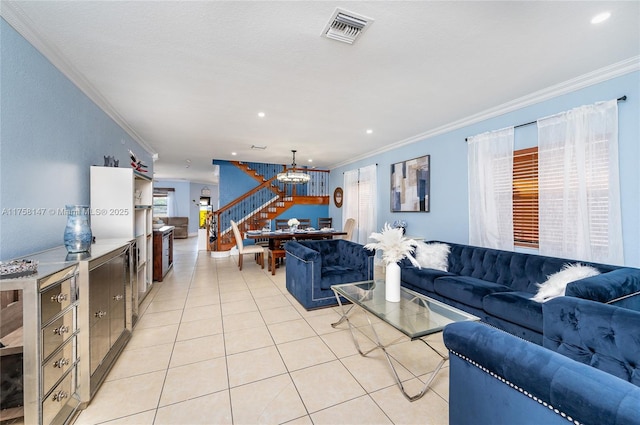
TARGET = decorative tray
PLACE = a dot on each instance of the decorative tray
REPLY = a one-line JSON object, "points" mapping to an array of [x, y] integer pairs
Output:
{"points": [[17, 268]]}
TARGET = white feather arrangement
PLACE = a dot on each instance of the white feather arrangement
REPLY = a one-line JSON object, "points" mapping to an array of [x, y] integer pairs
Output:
{"points": [[393, 244]]}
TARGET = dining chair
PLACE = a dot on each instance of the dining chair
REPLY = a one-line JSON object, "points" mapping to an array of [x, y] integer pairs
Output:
{"points": [[249, 249], [349, 225], [282, 223], [324, 222], [305, 223]]}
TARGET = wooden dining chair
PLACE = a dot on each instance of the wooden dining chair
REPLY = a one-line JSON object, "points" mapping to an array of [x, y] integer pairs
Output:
{"points": [[282, 223], [249, 249], [305, 223], [324, 222]]}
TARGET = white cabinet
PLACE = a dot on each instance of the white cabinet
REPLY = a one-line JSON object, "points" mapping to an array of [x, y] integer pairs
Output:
{"points": [[121, 207]]}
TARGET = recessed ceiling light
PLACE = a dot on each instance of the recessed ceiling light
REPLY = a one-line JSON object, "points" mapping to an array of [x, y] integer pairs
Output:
{"points": [[261, 114], [369, 131], [234, 153], [601, 17], [310, 160]]}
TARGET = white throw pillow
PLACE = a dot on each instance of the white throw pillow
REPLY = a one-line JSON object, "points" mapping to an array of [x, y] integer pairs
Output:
{"points": [[433, 255], [557, 282]]}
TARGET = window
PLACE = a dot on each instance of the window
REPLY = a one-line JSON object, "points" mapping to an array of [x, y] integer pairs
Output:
{"points": [[161, 201], [525, 197]]}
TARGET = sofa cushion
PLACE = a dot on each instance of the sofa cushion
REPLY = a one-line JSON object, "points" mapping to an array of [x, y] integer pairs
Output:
{"points": [[515, 307], [422, 278], [337, 275], [467, 290]]}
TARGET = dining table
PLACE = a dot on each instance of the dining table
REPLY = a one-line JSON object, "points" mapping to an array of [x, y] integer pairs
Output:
{"points": [[276, 237]]}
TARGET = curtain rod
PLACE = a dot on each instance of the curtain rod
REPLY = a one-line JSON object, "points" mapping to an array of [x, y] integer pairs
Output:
{"points": [[620, 99]]}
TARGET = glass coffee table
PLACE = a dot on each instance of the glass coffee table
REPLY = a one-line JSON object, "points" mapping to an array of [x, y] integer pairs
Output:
{"points": [[416, 316]]}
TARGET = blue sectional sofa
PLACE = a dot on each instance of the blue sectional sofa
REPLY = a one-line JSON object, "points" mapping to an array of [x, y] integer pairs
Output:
{"points": [[587, 371], [497, 286], [313, 266]]}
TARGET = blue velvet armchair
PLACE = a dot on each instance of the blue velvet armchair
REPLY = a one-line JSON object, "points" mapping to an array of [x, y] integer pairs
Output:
{"points": [[313, 266], [587, 372]]}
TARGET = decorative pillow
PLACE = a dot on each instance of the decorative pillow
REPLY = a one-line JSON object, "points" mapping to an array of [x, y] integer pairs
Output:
{"points": [[433, 255], [557, 282]]}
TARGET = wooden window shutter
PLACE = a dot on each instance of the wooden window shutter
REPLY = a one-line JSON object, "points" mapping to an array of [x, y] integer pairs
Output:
{"points": [[525, 197]]}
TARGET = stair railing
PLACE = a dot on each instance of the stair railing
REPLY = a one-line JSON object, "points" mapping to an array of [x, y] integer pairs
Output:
{"points": [[251, 210]]}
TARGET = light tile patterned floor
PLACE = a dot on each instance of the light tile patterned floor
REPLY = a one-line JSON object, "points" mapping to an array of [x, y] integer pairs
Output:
{"points": [[215, 345]]}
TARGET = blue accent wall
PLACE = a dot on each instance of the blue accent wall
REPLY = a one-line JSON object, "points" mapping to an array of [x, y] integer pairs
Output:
{"points": [[448, 218], [312, 212], [233, 182], [50, 134]]}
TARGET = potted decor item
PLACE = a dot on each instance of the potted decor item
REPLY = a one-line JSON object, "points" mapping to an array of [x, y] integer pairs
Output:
{"points": [[293, 224], [394, 247]]}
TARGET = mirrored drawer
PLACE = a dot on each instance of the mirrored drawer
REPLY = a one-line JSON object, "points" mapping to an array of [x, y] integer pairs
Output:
{"points": [[57, 332], [55, 299], [58, 365], [60, 397]]}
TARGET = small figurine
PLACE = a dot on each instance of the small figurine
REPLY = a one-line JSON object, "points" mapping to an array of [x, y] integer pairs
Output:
{"points": [[136, 163], [110, 161]]}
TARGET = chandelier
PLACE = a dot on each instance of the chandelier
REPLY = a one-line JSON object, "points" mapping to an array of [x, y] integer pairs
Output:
{"points": [[293, 176]]}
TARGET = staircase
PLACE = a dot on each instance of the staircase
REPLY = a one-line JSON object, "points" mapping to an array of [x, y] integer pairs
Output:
{"points": [[256, 208]]}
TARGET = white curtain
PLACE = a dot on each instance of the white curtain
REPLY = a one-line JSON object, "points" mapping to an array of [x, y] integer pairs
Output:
{"points": [[579, 190], [360, 201], [367, 217], [490, 161]]}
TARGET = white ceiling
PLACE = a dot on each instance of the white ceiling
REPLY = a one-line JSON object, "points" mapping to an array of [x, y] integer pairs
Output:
{"points": [[187, 79]]}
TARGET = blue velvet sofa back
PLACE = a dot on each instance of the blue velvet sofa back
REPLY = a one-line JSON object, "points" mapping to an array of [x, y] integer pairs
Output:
{"points": [[498, 286], [587, 371], [312, 266], [603, 336]]}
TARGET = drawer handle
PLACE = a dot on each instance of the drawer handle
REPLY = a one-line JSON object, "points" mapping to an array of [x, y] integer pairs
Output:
{"points": [[61, 363], [61, 330], [59, 298], [118, 297], [100, 314], [59, 396]]}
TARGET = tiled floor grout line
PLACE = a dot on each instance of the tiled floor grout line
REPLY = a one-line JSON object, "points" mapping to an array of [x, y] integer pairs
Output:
{"points": [[175, 339]]}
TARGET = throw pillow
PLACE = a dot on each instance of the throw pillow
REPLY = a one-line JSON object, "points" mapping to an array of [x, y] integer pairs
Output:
{"points": [[433, 255], [556, 283]]}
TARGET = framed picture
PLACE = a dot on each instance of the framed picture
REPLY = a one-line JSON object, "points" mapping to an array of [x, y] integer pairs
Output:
{"points": [[410, 185]]}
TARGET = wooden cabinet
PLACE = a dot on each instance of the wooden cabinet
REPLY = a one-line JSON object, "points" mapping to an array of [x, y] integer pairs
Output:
{"points": [[162, 251], [122, 207]]}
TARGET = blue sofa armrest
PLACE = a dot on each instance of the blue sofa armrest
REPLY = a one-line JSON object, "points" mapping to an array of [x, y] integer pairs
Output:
{"points": [[609, 287], [495, 377]]}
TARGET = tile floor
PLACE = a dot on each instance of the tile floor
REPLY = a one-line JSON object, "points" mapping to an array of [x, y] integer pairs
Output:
{"points": [[215, 345]]}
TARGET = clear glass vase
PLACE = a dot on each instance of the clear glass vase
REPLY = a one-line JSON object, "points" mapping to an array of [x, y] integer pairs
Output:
{"points": [[77, 233]]}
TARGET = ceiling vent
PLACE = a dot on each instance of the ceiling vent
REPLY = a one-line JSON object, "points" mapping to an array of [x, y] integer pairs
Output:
{"points": [[346, 26]]}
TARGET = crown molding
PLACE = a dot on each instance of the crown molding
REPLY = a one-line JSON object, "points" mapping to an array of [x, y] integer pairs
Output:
{"points": [[603, 74], [15, 17]]}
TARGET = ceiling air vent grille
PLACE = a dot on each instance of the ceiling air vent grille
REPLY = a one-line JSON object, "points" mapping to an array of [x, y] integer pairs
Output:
{"points": [[346, 26]]}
